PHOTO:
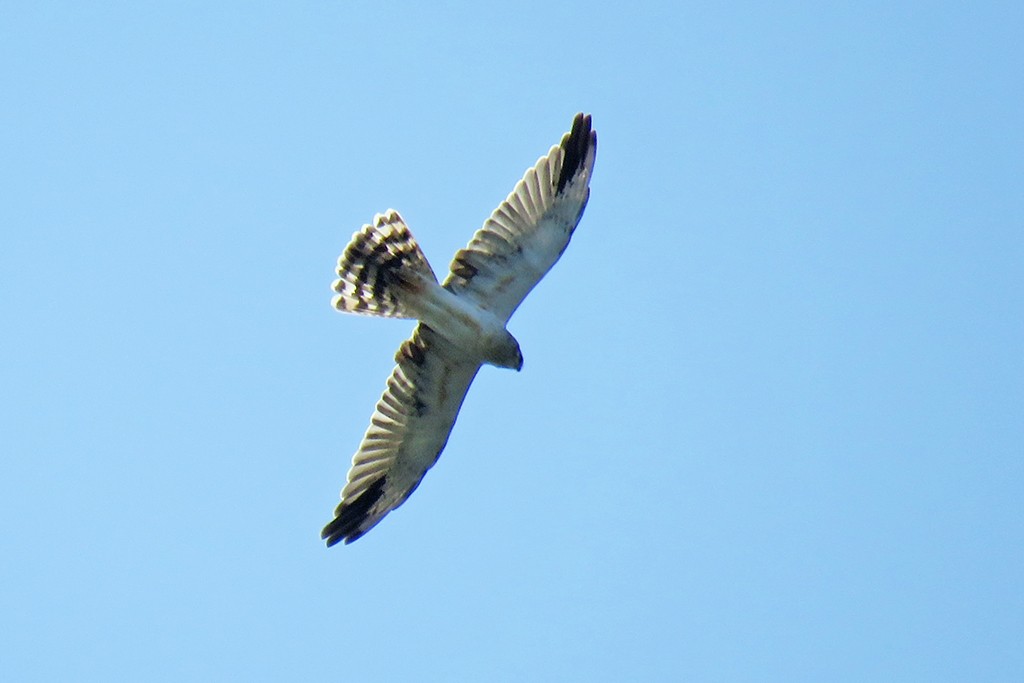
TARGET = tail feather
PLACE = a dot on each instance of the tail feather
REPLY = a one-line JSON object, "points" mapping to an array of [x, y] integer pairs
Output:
{"points": [[381, 270]]}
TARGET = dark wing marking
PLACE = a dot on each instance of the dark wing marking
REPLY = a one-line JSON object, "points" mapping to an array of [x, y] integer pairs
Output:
{"points": [[526, 235], [407, 432]]}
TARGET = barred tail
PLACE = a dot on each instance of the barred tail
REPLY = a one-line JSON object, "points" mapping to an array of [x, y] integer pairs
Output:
{"points": [[382, 270]]}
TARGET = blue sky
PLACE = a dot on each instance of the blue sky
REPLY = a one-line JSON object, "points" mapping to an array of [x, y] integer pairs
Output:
{"points": [[770, 425]]}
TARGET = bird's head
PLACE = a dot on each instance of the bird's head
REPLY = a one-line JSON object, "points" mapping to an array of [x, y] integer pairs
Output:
{"points": [[505, 353]]}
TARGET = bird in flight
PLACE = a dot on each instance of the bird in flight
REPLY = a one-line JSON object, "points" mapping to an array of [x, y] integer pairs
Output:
{"points": [[462, 321]]}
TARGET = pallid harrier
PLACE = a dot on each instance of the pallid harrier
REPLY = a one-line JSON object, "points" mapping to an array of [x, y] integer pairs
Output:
{"points": [[462, 321]]}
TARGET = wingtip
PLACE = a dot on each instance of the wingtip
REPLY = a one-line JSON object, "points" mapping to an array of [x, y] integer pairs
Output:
{"points": [[334, 539], [352, 518], [577, 145]]}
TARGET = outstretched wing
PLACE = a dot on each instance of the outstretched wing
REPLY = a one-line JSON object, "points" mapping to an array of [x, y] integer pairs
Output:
{"points": [[527, 234], [407, 432]]}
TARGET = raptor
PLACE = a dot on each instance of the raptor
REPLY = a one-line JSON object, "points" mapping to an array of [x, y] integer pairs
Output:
{"points": [[462, 321]]}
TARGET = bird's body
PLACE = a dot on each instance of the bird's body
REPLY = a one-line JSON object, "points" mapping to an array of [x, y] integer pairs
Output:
{"points": [[472, 329], [462, 321]]}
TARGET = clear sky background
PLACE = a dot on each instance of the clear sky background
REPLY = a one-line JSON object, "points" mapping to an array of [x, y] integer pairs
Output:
{"points": [[771, 421]]}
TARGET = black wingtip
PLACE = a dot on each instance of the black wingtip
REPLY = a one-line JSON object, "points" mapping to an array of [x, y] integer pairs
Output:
{"points": [[576, 144], [351, 515]]}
